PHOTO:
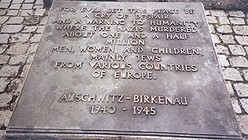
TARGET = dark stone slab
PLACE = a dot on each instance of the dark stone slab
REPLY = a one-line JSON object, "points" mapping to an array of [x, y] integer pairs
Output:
{"points": [[140, 69]]}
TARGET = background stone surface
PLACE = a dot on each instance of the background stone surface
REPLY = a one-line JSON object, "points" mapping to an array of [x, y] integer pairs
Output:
{"points": [[18, 46]]}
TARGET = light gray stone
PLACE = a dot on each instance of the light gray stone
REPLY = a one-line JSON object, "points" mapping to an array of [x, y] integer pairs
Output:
{"points": [[29, 1], [39, 12], [220, 49], [219, 13], [243, 40], [212, 19], [237, 21], [4, 59], [243, 123], [15, 20], [3, 48], [211, 29], [5, 99], [40, 29], [237, 50], [29, 29], [16, 86], [207, 13], [238, 61], [229, 88], [17, 1], [6, 1], [5, 117], [2, 134], [13, 12], [232, 74], [9, 71], [3, 19], [224, 29], [38, 6], [236, 14], [43, 20], [244, 103], [15, 6], [12, 28], [246, 74], [27, 6], [20, 38], [18, 49], [39, 2], [3, 84], [227, 39], [236, 106], [241, 89], [4, 38], [246, 49], [3, 12], [32, 49], [26, 13], [241, 30], [25, 70], [215, 38], [222, 60], [35, 38], [223, 20], [17, 60], [4, 5]]}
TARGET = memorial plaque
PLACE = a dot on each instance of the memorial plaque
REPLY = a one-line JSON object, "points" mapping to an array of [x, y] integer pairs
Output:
{"points": [[121, 70]]}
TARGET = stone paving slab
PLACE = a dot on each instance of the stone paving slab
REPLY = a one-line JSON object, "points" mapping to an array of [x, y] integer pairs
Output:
{"points": [[22, 22]]}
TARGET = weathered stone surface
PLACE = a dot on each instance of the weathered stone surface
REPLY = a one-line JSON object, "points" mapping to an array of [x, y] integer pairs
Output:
{"points": [[215, 38], [3, 19], [168, 82], [15, 6], [241, 89], [16, 86], [25, 70], [224, 29], [223, 20], [29, 29], [26, 13], [238, 61], [245, 74], [4, 59], [229, 88], [40, 29], [236, 14], [211, 28], [237, 21], [243, 40], [32, 49], [222, 60], [17, 1], [228, 39], [5, 117], [4, 38], [12, 28], [218, 13], [9, 71], [20, 38], [220, 49], [243, 123], [31, 20], [4, 5], [232, 74], [240, 30], [13, 12], [15, 20], [244, 103], [3, 12], [212, 19], [236, 106], [5, 99], [17, 60], [3, 83], [35, 38], [18, 49], [3, 48], [237, 49], [27, 6], [29, 1], [39, 12]]}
